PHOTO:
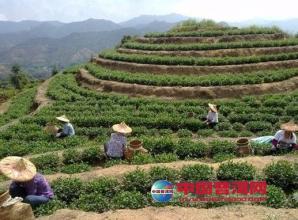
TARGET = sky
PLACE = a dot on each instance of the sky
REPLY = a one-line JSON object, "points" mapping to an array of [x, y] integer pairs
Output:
{"points": [[121, 10]]}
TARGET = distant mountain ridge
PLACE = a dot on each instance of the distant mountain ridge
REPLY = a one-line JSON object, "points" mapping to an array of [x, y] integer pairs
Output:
{"points": [[39, 45]]}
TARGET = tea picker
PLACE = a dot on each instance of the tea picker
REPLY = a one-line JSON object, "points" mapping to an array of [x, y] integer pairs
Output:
{"points": [[116, 147], [212, 117], [27, 184], [67, 130], [283, 139]]}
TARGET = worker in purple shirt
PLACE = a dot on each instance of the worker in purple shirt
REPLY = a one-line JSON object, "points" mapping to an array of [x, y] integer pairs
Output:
{"points": [[26, 182]]}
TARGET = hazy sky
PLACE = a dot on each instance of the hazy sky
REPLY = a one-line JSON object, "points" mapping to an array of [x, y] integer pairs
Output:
{"points": [[120, 10]]}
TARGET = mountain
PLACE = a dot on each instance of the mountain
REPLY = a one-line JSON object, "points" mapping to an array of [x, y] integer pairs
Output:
{"points": [[4, 72], [11, 26], [147, 19]]}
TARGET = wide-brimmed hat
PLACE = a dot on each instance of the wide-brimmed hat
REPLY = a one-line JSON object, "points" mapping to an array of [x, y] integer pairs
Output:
{"points": [[63, 118], [17, 168], [212, 107], [122, 128], [290, 126]]}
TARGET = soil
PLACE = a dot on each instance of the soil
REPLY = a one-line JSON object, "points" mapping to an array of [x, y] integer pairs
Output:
{"points": [[235, 212], [41, 98], [215, 53], [4, 106], [197, 70], [212, 92], [227, 38]]}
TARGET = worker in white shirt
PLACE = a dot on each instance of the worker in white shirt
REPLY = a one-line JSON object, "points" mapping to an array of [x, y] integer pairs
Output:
{"points": [[285, 138], [212, 117]]}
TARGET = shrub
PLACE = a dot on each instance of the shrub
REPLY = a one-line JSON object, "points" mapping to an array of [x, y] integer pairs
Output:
{"points": [[197, 172], [276, 197], [165, 158], [47, 164], [261, 149], [131, 200], [93, 155], [187, 148], [114, 162], [281, 174], [293, 200], [238, 126], [137, 180], [224, 126], [67, 190], [236, 171], [49, 208], [223, 156], [159, 145], [230, 133], [163, 173], [205, 132], [222, 147], [71, 156], [141, 158], [92, 203], [256, 126], [75, 168], [105, 186], [184, 133]]}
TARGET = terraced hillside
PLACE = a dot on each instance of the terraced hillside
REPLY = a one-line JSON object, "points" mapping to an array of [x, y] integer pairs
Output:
{"points": [[181, 147], [205, 63]]}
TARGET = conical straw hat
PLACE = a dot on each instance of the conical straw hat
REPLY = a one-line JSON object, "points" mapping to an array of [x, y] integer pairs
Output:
{"points": [[122, 128], [63, 118], [17, 168], [212, 107], [290, 126]]}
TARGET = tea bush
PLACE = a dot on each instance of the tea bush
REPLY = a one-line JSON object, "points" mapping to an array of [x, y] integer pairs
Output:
{"points": [[236, 171], [281, 174], [165, 158], [47, 164], [141, 158], [163, 173], [75, 168], [276, 198], [184, 133], [187, 148], [92, 203], [222, 157], [131, 200], [256, 126], [72, 156], [93, 155], [105, 186], [197, 172], [67, 190], [137, 180], [222, 147], [49, 208]]}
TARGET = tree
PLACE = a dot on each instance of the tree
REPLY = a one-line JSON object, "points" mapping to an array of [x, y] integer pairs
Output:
{"points": [[55, 70], [18, 78]]}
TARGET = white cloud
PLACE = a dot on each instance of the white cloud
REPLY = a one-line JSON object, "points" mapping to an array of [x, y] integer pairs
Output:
{"points": [[2, 17], [119, 10]]}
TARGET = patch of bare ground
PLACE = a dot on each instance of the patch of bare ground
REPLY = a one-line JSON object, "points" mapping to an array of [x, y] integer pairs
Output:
{"points": [[4, 106], [215, 53], [179, 92], [41, 98], [189, 70], [234, 212], [226, 38]]}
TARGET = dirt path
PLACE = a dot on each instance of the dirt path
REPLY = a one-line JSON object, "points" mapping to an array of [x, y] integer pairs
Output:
{"points": [[179, 92], [235, 212], [4, 106], [41, 98]]}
